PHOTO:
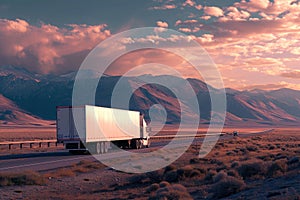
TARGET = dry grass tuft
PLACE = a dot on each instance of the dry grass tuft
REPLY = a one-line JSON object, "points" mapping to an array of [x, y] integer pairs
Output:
{"points": [[277, 168], [252, 169], [81, 167], [226, 185], [152, 187], [172, 192], [26, 178]]}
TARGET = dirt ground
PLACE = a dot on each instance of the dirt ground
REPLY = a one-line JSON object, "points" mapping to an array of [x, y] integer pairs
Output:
{"points": [[15, 133], [250, 166]]}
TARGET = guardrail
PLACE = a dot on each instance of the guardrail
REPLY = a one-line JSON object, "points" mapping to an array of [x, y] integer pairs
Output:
{"points": [[48, 142], [30, 142]]}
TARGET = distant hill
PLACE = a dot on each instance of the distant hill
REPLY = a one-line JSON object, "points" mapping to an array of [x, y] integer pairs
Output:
{"points": [[39, 95], [10, 114]]}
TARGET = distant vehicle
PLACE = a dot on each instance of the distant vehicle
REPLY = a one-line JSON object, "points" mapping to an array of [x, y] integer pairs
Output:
{"points": [[235, 133], [99, 128]]}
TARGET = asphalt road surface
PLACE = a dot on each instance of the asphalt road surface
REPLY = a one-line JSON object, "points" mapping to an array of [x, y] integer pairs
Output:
{"points": [[53, 160]]}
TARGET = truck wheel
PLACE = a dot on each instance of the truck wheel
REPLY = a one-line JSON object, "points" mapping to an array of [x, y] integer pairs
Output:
{"points": [[141, 144], [98, 148], [102, 148], [148, 144], [106, 145]]}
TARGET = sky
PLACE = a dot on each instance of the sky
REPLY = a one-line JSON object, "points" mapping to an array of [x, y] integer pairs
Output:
{"points": [[254, 43]]}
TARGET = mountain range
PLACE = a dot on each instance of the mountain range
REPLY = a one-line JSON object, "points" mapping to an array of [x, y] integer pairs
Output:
{"points": [[28, 98]]}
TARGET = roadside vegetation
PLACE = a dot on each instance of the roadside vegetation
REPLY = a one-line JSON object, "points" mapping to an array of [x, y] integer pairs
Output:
{"points": [[237, 167], [35, 178]]}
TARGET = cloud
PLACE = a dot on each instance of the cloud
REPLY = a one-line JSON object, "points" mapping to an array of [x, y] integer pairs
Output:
{"points": [[271, 86], [189, 3], [294, 74], [47, 48], [235, 14], [188, 26], [163, 7], [254, 5], [153, 58], [17, 26], [213, 11], [252, 40], [192, 3], [205, 17], [162, 24]]}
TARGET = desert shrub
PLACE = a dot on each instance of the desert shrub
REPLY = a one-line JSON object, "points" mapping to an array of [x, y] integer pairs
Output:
{"points": [[194, 160], [201, 170], [83, 162], [80, 169], [235, 164], [219, 176], [229, 153], [215, 161], [293, 160], [209, 175], [185, 171], [243, 150], [233, 173], [28, 178], [154, 176], [252, 169], [152, 187], [64, 172], [235, 150], [195, 173], [171, 176], [256, 138], [251, 148], [181, 174], [278, 167], [172, 192], [220, 168], [227, 186], [164, 184], [169, 168], [221, 144], [271, 147], [263, 157], [136, 179], [280, 156]]}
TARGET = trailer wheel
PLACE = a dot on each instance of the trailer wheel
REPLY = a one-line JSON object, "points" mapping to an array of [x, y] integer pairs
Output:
{"points": [[98, 148], [134, 144], [106, 145], [102, 148]]}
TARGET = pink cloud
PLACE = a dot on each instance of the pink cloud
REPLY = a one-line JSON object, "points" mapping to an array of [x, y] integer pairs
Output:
{"points": [[47, 48], [189, 2], [254, 5], [293, 74], [254, 41], [188, 26], [213, 11], [163, 7], [162, 24]]}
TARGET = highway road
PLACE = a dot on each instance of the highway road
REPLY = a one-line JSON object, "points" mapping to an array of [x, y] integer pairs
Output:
{"points": [[53, 160]]}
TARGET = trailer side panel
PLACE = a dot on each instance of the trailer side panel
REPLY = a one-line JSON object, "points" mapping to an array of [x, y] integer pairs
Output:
{"points": [[109, 124]]}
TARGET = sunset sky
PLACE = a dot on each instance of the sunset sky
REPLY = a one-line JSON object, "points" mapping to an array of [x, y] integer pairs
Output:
{"points": [[255, 43]]}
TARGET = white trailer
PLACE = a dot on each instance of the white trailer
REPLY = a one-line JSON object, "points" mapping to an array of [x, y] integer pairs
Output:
{"points": [[94, 128]]}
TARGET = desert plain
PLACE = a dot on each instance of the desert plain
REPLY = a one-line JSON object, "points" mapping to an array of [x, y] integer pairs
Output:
{"points": [[253, 165]]}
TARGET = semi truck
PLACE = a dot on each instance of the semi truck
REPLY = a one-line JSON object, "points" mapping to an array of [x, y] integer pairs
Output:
{"points": [[95, 129]]}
